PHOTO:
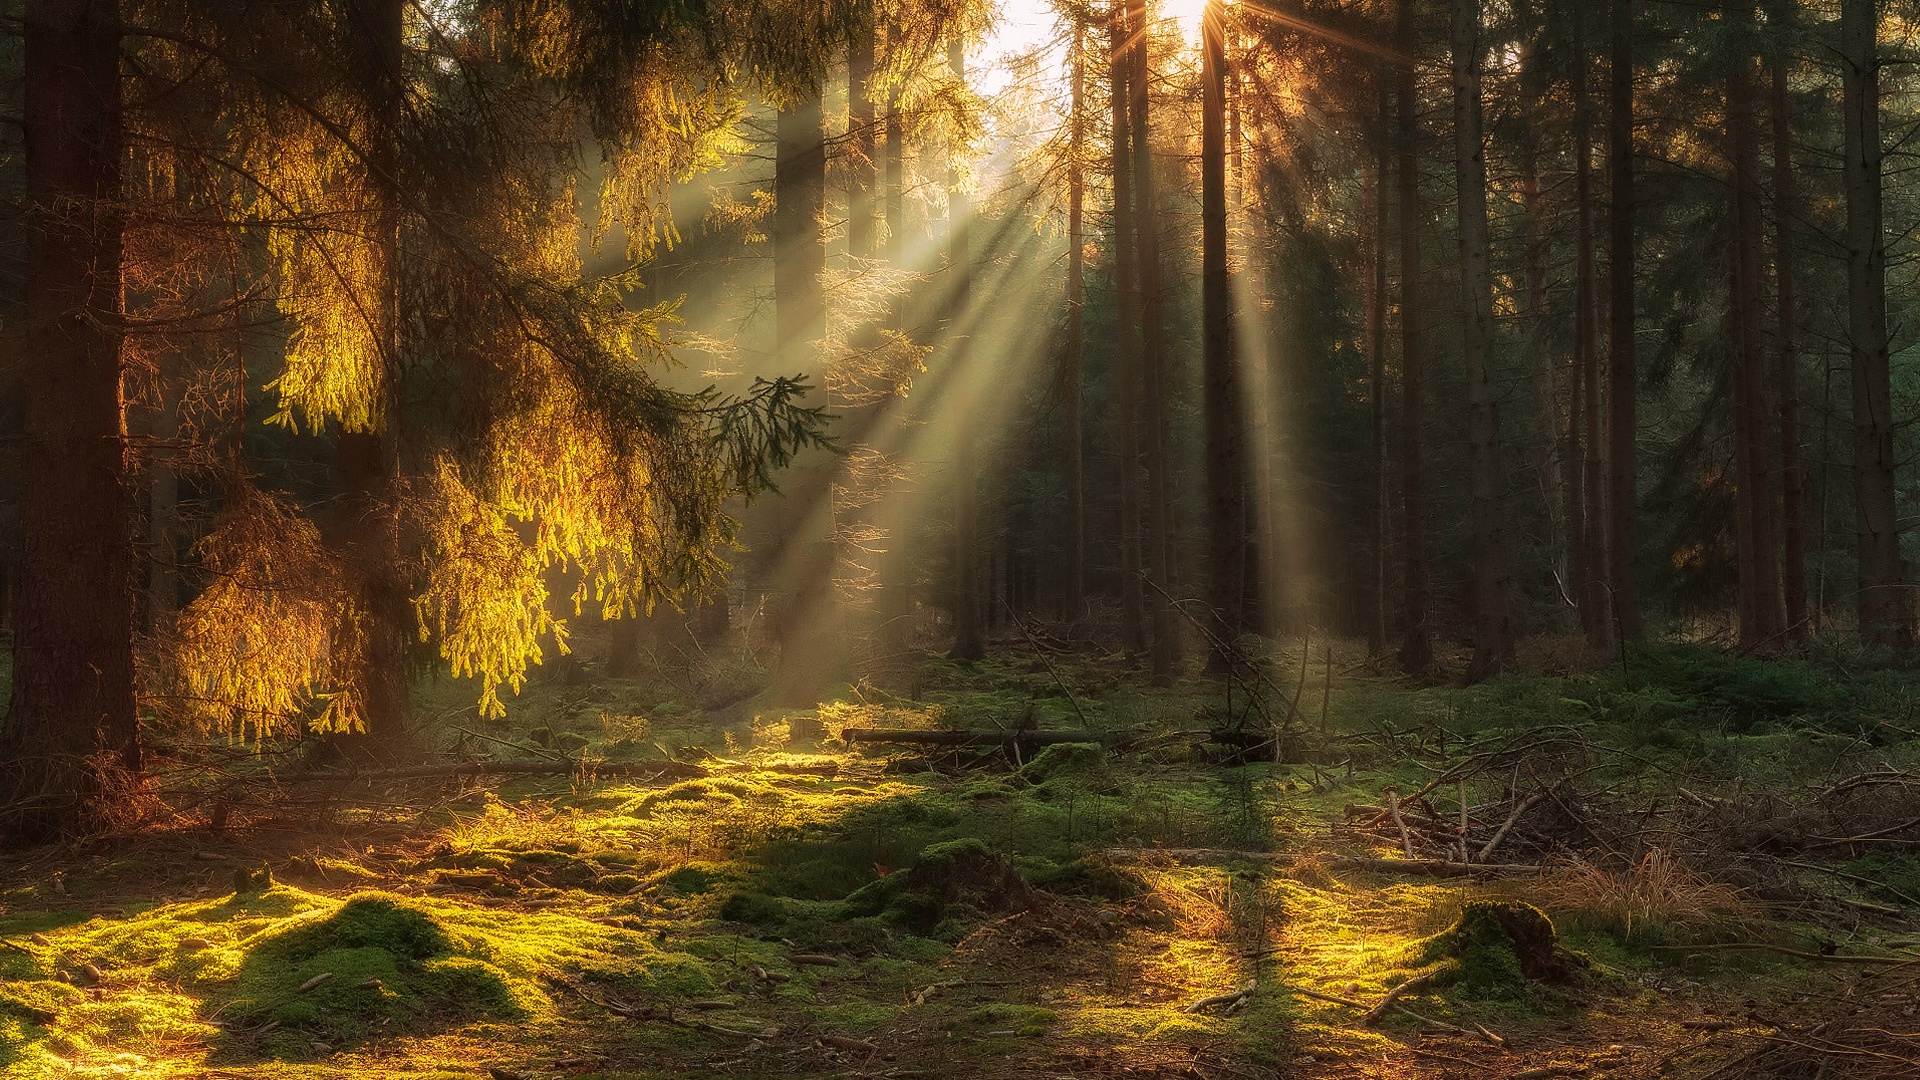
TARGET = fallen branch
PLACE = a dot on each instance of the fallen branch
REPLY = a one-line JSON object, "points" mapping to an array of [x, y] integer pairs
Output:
{"points": [[1525, 805], [558, 767], [1797, 954], [1416, 867], [1413, 985], [1027, 737], [1397, 1007], [1393, 807], [1220, 999]]}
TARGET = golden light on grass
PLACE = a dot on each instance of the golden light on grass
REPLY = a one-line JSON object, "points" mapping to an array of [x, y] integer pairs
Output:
{"points": [[1658, 898]]}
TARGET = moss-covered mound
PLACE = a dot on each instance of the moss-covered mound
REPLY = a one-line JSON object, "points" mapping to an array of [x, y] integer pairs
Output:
{"points": [[1078, 764], [1496, 948], [958, 879], [375, 959]]}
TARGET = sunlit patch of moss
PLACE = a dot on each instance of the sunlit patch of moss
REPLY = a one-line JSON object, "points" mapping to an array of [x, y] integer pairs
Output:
{"points": [[1006, 1016], [1188, 1027], [395, 964]]}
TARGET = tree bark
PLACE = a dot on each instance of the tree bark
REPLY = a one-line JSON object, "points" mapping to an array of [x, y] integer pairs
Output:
{"points": [[1622, 369], [1762, 619], [1587, 491], [1886, 609], [366, 463], [799, 261], [1492, 626], [1416, 645], [1225, 439], [969, 641], [1073, 589], [1154, 412], [1126, 359], [1377, 376], [71, 735], [1793, 496], [862, 237]]}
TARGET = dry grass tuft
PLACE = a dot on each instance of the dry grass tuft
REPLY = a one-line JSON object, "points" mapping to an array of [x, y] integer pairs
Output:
{"points": [[1658, 899]]}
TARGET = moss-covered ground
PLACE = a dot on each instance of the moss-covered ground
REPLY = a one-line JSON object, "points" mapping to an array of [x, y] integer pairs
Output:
{"points": [[802, 907]]}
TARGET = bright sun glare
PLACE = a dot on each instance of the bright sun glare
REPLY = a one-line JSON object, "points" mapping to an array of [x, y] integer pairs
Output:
{"points": [[1187, 13]]}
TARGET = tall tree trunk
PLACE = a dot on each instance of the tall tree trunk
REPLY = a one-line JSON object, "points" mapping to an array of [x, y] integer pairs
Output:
{"points": [[1492, 626], [1073, 590], [1588, 489], [163, 509], [1126, 359], [799, 261], [1762, 621], [1886, 607], [1154, 411], [72, 724], [366, 463], [1225, 439], [1377, 374], [1416, 646], [896, 599], [1622, 370], [1793, 496], [1555, 473], [862, 237], [969, 642]]}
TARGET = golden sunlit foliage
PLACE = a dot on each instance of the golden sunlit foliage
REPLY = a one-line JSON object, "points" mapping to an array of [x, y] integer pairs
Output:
{"points": [[485, 601], [275, 630]]}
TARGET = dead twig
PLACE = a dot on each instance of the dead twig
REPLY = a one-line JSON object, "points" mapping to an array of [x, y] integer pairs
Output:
{"points": [[1501, 834], [1393, 808], [1411, 986], [1797, 954]]}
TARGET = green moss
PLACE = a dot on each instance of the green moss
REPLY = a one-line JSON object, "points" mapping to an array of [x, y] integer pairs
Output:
{"points": [[1495, 949], [753, 907], [1092, 878], [1005, 1015], [696, 878], [1066, 760], [955, 880], [383, 957], [617, 884]]}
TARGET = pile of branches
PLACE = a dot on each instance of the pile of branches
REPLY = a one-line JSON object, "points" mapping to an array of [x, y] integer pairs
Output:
{"points": [[1551, 794], [1547, 803]]}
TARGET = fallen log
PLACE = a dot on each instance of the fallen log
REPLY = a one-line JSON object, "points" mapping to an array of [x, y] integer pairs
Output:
{"points": [[555, 767], [1416, 867], [1025, 737]]}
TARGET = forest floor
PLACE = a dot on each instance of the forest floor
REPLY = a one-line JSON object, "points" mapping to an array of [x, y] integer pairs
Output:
{"points": [[1727, 847]]}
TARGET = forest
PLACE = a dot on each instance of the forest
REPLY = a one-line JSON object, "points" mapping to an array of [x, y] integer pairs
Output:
{"points": [[933, 538]]}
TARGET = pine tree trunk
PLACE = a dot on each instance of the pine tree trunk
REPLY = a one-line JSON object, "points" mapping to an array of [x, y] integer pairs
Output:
{"points": [[1225, 441], [1126, 353], [1885, 606], [1416, 646], [1073, 589], [1154, 411], [1588, 489], [72, 725], [799, 261], [969, 641], [163, 509], [862, 237], [1377, 376], [896, 592], [1793, 496], [1762, 619], [1492, 626], [1622, 369], [366, 463]]}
